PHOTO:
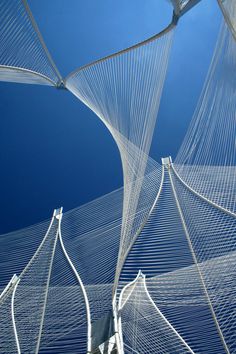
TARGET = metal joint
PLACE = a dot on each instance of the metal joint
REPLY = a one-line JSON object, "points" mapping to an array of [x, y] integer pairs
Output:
{"points": [[58, 213], [61, 85], [166, 162]]}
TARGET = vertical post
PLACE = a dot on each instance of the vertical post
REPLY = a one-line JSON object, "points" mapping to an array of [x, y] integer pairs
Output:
{"points": [[57, 214], [89, 331], [120, 306], [118, 270], [117, 319], [14, 282], [8, 287], [117, 328], [164, 318], [35, 27], [205, 290]]}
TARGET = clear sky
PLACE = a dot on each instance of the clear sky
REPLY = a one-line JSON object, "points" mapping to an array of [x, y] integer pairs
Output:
{"points": [[53, 150]]}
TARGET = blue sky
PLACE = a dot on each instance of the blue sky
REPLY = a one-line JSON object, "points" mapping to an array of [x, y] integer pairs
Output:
{"points": [[53, 150]]}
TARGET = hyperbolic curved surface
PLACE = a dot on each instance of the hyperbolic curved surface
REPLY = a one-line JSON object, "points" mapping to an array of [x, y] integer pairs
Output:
{"points": [[125, 91]]}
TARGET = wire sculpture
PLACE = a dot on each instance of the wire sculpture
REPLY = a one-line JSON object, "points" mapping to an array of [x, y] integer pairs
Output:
{"points": [[154, 271]]}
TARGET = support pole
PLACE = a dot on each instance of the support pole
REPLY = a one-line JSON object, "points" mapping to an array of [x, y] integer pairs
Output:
{"points": [[118, 270], [9, 286], [215, 205], [169, 167], [15, 283], [56, 215], [118, 335], [164, 318], [120, 306], [89, 330], [37, 31]]}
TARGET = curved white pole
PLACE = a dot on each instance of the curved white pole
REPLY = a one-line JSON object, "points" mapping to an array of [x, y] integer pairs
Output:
{"points": [[163, 317], [35, 26], [118, 335], [120, 306], [39, 248], [172, 25], [13, 317], [57, 216], [170, 167], [14, 278], [118, 271], [28, 71], [89, 332], [215, 205], [9, 285], [117, 319]]}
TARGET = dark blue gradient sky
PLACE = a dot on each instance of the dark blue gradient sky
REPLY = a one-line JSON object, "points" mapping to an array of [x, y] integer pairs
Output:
{"points": [[54, 150]]}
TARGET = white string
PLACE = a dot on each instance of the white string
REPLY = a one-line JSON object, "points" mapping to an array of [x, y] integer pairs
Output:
{"points": [[207, 157], [125, 91], [23, 55], [213, 236], [181, 6], [228, 8], [17, 248], [185, 244], [144, 328], [162, 250], [7, 337]]}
